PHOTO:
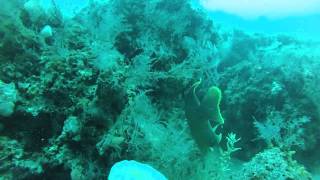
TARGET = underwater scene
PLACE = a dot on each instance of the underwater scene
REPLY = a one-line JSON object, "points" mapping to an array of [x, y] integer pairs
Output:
{"points": [[159, 90]]}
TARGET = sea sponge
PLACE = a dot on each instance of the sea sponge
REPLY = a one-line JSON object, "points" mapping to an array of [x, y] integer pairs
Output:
{"points": [[204, 116], [134, 170]]}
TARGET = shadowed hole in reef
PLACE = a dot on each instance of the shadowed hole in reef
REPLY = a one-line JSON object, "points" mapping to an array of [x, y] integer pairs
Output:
{"points": [[34, 132], [52, 173]]}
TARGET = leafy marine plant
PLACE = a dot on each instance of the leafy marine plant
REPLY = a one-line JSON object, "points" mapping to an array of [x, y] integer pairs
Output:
{"points": [[204, 116]]}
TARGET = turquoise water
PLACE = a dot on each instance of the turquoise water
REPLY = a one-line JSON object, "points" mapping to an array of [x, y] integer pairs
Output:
{"points": [[159, 89], [307, 26]]}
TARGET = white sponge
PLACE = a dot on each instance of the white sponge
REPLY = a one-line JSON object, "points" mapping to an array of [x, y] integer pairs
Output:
{"points": [[133, 170]]}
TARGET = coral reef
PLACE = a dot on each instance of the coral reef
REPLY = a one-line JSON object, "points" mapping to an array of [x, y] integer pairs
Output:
{"points": [[8, 98], [274, 164], [113, 83]]}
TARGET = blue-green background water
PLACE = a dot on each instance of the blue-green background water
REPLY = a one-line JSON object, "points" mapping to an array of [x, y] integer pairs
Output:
{"points": [[302, 26], [305, 26]]}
